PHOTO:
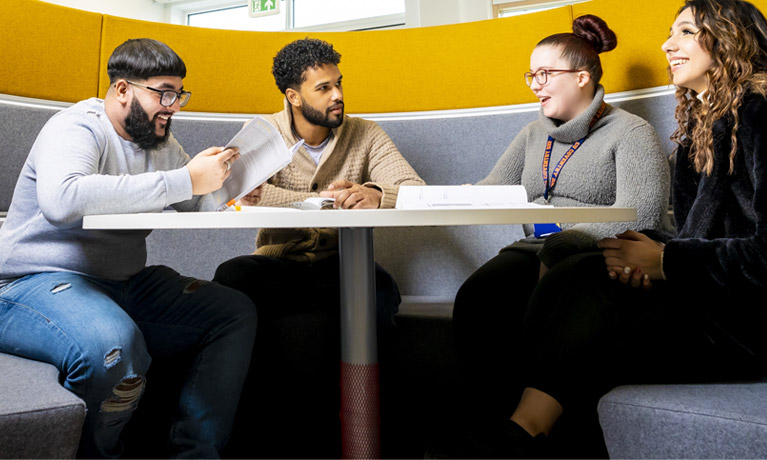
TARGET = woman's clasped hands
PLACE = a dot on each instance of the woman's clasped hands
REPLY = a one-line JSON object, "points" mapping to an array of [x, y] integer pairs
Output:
{"points": [[633, 258]]}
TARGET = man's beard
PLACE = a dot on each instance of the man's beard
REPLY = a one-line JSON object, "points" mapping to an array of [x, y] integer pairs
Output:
{"points": [[142, 130], [316, 117]]}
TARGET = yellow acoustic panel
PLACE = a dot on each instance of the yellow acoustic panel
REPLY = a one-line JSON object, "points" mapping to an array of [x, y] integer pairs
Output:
{"points": [[58, 53], [641, 27], [761, 4], [474, 64], [465, 65], [227, 71], [48, 51], [638, 61]]}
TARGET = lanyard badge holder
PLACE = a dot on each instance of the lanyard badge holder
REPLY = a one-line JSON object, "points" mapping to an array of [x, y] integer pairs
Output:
{"points": [[543, 230]]}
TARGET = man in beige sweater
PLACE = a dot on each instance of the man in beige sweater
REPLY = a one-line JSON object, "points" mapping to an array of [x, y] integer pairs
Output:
{"points": [[293, 277], [350, 159]]}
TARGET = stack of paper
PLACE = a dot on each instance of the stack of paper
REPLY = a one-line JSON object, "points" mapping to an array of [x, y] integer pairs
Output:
{"points": [[462, 197]]}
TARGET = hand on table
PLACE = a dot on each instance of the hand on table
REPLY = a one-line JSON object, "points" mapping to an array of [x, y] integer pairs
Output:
{"points": [[350, 195]]}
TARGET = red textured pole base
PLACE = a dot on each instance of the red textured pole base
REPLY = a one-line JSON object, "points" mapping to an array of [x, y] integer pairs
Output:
{"points": [[360, 418]]}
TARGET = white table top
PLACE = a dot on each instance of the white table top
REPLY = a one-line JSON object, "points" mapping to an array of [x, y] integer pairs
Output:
{"points": [[348, 218]]}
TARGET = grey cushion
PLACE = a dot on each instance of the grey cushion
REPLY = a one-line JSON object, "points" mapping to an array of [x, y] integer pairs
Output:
{"points": [[38, 417], [19, 127], [37, 414], [425, 335], [686, 421]]}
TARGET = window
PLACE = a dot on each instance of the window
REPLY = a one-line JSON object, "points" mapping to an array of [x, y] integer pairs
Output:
{"points": [[506, 8], [236, 17], [308, 13], [303, 15]]}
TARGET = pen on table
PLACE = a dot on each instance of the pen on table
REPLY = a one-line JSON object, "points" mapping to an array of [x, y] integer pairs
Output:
{"points": [[229, 204], [233, 202]]}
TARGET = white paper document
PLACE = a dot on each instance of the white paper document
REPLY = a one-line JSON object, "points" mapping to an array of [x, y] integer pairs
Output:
{"points": [[262, 154], [462, 197]]}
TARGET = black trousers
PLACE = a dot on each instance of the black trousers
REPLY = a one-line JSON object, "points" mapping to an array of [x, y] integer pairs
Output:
{"points": [[488, 323], [280, 287], [290, 402], [576, 334], [599, 333]]}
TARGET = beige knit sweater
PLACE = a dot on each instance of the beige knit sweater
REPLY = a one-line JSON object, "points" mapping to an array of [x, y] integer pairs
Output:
{"points": [[359, 151]]}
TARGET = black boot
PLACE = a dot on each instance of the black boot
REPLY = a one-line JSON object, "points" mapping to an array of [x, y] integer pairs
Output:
{"points": [[497, 440], [509, 440]]}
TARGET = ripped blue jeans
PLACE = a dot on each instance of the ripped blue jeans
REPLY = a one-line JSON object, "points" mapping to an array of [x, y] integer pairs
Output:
{"points": [[102, 334]]}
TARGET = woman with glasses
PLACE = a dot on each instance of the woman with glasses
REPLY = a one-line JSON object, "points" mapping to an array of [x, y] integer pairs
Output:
{"points": [[580, 152], [657, 308]]}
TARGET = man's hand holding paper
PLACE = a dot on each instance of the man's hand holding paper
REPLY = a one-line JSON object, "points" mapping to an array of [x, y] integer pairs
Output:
{"points": [[263, 153], [210, 168]]}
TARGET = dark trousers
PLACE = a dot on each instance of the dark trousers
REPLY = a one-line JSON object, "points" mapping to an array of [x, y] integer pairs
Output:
{"points": [[290, 403], [576, 334], [488, 318], [588, 333], [282, 287]]}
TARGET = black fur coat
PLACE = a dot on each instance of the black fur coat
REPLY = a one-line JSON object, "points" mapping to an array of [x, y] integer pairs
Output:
{"points": [[722, 218]]}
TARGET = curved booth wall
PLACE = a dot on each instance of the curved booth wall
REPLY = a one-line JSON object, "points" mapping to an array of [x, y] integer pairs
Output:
{"points": [[444, 147], [451, 98], [57, 53], [49, 52]]}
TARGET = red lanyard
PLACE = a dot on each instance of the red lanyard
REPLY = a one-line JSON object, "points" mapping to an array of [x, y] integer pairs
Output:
{"points": [[549, 184]]}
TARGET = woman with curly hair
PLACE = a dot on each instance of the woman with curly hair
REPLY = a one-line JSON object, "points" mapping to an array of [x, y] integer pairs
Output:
{"points": [[653, 307], [717, 54]]}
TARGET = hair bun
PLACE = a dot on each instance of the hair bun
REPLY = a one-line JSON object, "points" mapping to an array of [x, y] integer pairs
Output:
{"points": [[594, 30]]}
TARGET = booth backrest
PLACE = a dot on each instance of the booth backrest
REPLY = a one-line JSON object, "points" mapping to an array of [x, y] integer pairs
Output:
{"points": [[450, 147]]}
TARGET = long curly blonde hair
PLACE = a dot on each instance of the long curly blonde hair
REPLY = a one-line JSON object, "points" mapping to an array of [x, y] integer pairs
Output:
{"points": [[734, 33]]}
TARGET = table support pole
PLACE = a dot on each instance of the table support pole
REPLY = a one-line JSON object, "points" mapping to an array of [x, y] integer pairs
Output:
{"points": [[360, 415]]}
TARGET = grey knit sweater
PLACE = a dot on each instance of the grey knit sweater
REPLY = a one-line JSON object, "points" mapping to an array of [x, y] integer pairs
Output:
{"points": [[79, 165], [619, 164]]}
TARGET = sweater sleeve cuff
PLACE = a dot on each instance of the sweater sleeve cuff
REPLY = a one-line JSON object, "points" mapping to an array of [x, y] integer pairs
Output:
{"points": [[559, 246], [388, 194], [178, 185]]}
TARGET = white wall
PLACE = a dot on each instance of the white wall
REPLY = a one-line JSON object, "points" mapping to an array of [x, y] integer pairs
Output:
{"points": [[423, 13], [419, 13], [145, 10]]}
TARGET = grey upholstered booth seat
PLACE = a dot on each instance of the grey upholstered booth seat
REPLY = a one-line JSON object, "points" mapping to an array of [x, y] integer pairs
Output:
{"points": [[686, 421], [429, 264], [38, 417]]}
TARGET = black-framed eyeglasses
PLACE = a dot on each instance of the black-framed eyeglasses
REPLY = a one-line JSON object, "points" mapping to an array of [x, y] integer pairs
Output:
{"points": [[167, 96], [542, 75]]}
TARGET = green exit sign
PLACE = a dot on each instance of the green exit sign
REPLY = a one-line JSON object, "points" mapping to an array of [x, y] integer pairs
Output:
{"points": [[263, 7]]}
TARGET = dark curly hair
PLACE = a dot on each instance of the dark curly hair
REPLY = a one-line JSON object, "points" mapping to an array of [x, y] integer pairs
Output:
{"points": [[142, 58], [292, 61], [734, 33], [582, 47]]}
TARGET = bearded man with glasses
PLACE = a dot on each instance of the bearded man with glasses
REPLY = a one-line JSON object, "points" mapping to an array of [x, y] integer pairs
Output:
{"points": [[84, 301]]}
